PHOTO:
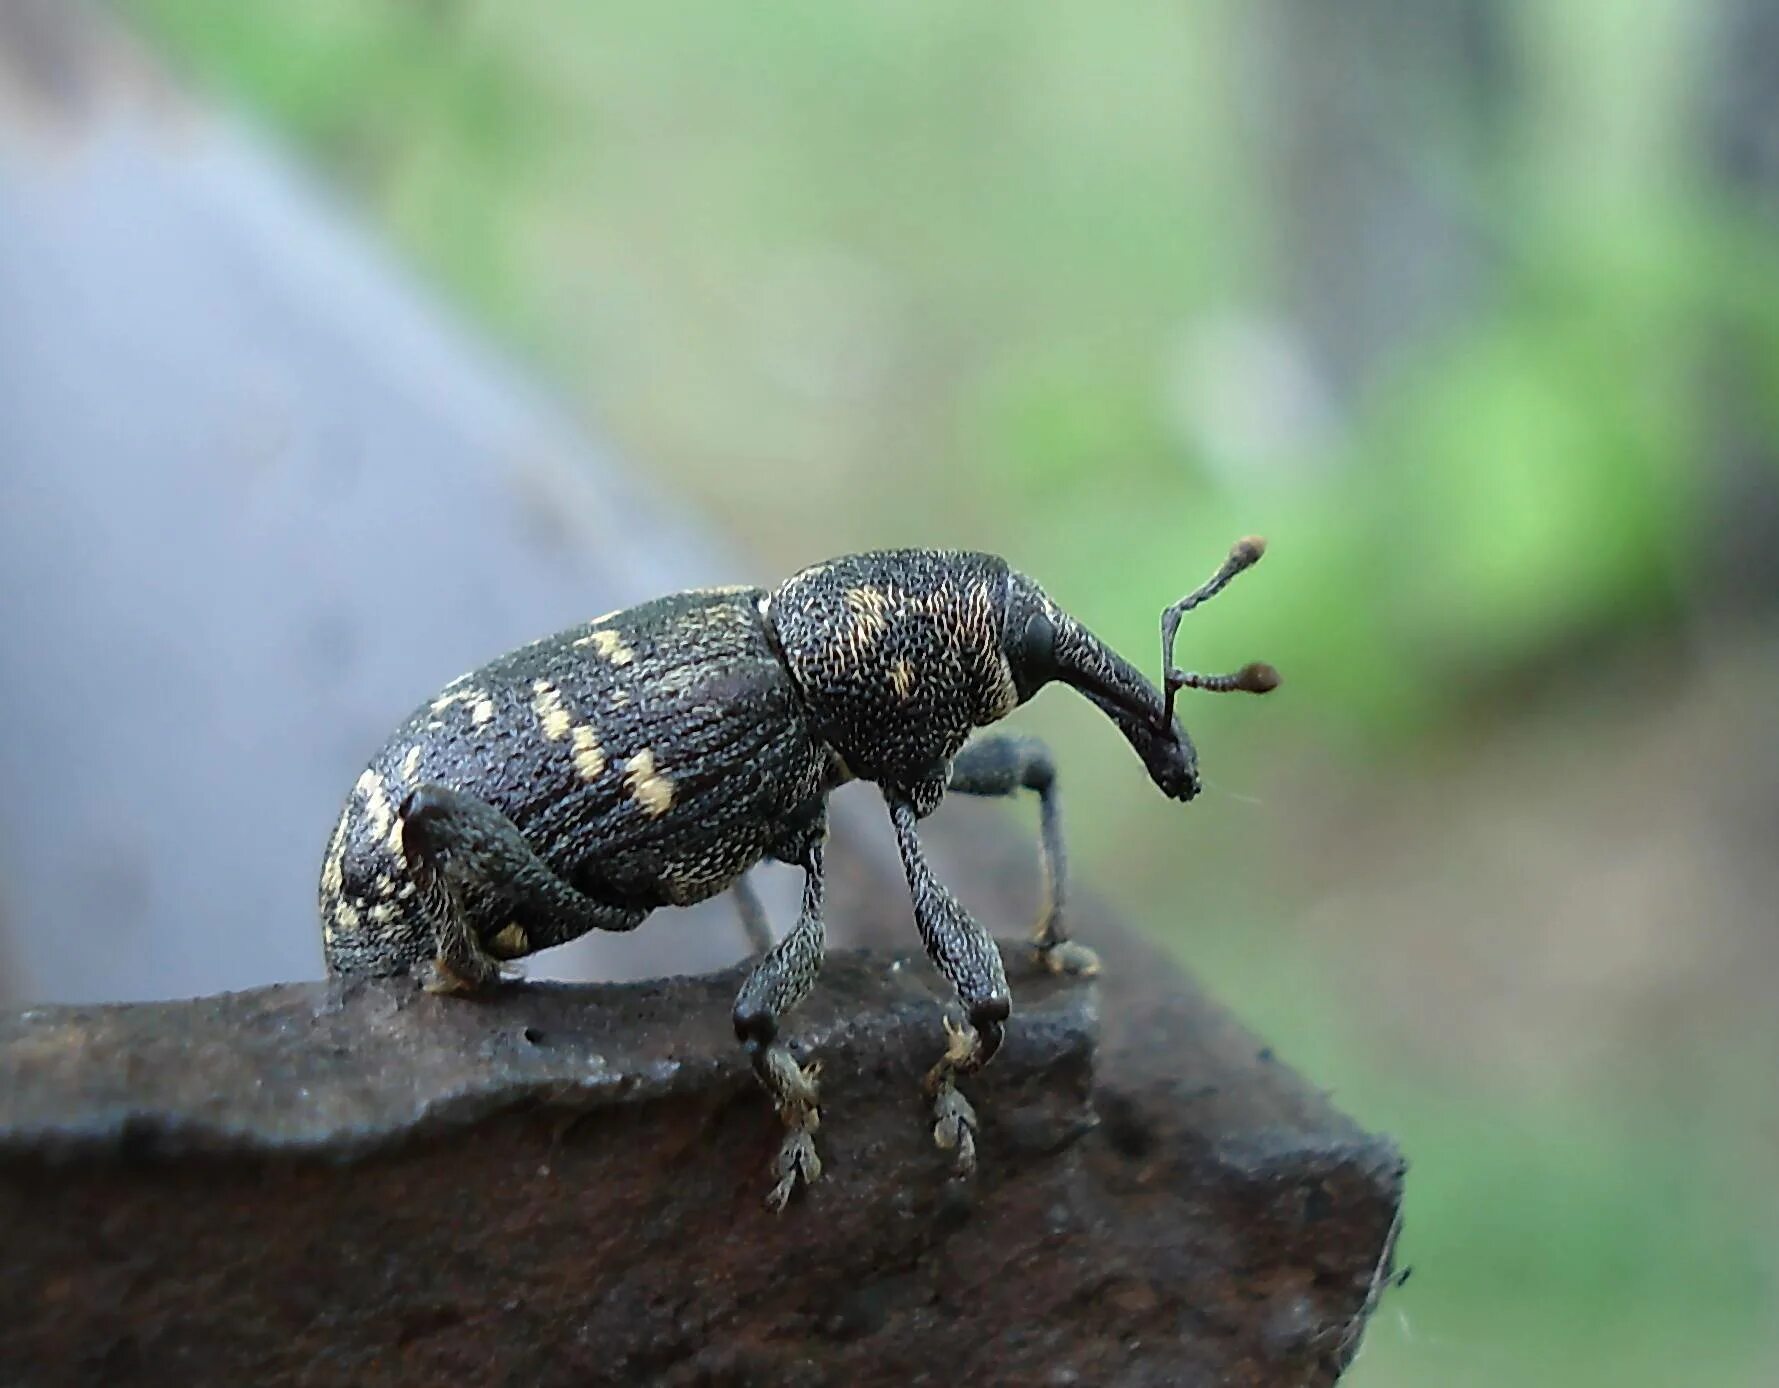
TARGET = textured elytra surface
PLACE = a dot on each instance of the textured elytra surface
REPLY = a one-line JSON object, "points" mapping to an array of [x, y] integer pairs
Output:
{"points": [[647, 757]]}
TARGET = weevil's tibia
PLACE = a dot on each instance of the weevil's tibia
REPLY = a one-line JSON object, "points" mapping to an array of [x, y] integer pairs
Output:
{"points": [[963, 952], [1005, 764], [778, 983]]}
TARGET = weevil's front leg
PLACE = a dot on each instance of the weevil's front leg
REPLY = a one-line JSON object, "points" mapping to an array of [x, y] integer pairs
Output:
{"points": [[777, 984], [488, 895], [1004, 764], [962, 951]]}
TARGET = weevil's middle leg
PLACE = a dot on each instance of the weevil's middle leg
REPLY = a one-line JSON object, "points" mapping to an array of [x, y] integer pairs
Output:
{"points": [[1004, 764], [962, 951], [754, 922], [778, 983]]}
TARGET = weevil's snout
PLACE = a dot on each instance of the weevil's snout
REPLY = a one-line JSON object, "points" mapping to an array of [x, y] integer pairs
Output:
{"points": [[1172, 764]]}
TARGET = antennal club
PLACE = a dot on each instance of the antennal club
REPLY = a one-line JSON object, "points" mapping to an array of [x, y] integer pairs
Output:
{"points": [[1253, 678]]}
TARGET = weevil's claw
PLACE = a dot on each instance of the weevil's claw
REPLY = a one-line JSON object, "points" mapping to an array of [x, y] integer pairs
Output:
{"points": [[797, 1161], [955, 1130], [438, 977], [960, 1048], [794, 1090], [1066, 958]]}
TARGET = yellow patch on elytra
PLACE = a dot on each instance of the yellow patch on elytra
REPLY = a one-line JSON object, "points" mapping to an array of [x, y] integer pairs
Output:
{"points": [[621, 698], [327, 934], [454, 696], [382, 913], [510, 942], [648, 786], [546, 703], [902, 677], [481, 713], [589, 756], [385, 885], [411, 764], [376, 802], [333, 867], [608, 645], [346, 916]]}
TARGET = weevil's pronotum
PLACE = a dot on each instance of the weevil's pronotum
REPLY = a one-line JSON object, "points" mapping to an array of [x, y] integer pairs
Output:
{"points": [[652, 756]]}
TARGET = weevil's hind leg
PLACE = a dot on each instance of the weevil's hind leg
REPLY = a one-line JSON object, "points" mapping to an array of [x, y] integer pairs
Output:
{"points": [[489, 896], [754, 921], [778, 983], [1005, 764], [962, 951]]}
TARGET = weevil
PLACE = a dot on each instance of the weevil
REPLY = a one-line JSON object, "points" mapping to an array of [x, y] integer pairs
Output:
{"points": [[652, 756]]}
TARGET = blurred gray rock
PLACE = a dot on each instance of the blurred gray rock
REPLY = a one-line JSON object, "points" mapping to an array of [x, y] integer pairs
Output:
{"points": [[259, 497]]}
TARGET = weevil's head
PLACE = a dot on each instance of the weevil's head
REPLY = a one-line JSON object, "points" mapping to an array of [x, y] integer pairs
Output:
{"points": [[1042, 643]]}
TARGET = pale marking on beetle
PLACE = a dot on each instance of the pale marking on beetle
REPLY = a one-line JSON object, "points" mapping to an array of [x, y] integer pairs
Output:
{"points": [[327, 933], [648, 787], [621, 698], [481, 713], [411, 764], [1008, 692], [902, 677], [346, 916], [333, 869], [511, 941], [394, 841], [546, 703], [454, 696], [376, 802], [382, 913], [869, 610], [609, 645], [589, 756], [385, 885]]}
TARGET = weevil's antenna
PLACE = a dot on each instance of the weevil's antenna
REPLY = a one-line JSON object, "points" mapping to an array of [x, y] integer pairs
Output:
{"points": [[1253, 678]]}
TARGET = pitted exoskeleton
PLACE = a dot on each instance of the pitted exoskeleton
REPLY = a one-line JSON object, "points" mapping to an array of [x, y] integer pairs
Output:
{"points": [[651, 756]]}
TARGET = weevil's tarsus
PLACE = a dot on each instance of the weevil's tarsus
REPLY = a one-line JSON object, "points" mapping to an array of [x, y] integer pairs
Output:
{"points": [[780, 981]]}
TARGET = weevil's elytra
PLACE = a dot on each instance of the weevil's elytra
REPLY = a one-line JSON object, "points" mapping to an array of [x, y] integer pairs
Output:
{"points": [[649, 757]]}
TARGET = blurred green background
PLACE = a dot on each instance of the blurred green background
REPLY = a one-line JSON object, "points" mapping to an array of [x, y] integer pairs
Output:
{"points": [[1471, 306]]}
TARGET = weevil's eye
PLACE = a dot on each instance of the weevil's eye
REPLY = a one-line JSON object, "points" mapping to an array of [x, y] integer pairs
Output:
{"points": [[1037, 649]]}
